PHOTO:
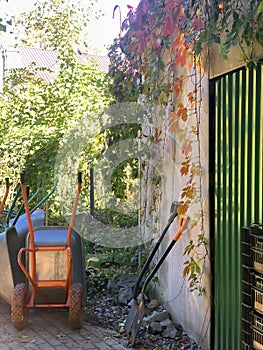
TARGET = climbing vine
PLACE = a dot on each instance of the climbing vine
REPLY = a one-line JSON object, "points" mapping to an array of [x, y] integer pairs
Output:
{"points": [[159, 57]]}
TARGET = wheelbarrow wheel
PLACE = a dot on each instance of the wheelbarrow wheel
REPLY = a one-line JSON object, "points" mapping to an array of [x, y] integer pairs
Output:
{"points": [[19, 310], [76, 306]]}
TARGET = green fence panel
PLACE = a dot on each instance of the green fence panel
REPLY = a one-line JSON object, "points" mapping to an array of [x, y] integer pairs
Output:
{"points": [[237, 134]]}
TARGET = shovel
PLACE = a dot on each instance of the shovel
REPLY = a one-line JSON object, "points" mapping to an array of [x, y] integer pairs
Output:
{"points": [[137, 321], [134, 306]]}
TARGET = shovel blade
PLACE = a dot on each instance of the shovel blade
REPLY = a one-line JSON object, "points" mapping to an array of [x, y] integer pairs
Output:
{"points": [[131, 315], [137, 321]]}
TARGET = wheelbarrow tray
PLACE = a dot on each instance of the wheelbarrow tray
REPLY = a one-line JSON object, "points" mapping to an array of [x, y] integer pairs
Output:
{"points": [[21, 226], [52, 265], [11, 241]]}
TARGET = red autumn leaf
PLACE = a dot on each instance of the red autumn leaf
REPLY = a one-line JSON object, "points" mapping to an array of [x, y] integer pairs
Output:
{"points": [[168, 88], [177, 41], [182, 208], [178, 83], [190, 97], [182, 112], [182, 50], [189, 191], [169, 26], [185, 168], [181, 57]]}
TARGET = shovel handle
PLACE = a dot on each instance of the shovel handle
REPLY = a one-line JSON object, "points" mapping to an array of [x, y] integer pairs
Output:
{"points": [[7, 183], [79, 177], [183, 221], [173, 212], [27, 210], [23, 177], [74, 211]]}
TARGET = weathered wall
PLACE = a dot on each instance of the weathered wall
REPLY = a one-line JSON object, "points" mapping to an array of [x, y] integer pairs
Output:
{"points": [[193, 312], [188, 309]]}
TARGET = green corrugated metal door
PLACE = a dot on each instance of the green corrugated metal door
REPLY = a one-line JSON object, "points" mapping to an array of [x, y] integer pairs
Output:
{"points": [[237, 192]]}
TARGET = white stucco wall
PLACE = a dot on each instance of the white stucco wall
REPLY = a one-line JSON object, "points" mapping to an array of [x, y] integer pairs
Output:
{"points": [[186, 308], [193, 312]]}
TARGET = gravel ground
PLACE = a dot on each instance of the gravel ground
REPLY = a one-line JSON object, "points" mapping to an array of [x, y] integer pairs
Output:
{"points": [[106, 313]]}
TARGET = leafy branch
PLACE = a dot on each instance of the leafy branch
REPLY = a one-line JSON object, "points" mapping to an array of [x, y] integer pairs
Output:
{"points": [[194, 265]]}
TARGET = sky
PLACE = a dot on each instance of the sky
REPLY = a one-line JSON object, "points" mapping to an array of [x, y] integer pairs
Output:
{"points": [[102, 31]]}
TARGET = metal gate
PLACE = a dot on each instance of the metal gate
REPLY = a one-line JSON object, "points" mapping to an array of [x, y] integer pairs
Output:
{"points": [[236, 191]]}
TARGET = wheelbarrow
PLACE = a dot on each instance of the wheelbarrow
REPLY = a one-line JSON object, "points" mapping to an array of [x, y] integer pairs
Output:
{"points": [[12, 239], [54, 269]]}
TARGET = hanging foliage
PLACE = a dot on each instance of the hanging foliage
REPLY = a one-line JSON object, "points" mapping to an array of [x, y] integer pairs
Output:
{"points": [[179, 28], [158, 54]]}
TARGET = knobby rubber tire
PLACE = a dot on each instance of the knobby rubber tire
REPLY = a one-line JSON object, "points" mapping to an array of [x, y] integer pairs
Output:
{"points": [[19, 311], [76, 306]]}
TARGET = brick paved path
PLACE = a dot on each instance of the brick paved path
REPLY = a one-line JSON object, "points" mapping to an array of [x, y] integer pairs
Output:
{"points": [[49, 329]]}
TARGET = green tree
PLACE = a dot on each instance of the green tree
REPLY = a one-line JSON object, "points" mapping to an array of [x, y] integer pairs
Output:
{"points": [[56, 25], [35, 115]]}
